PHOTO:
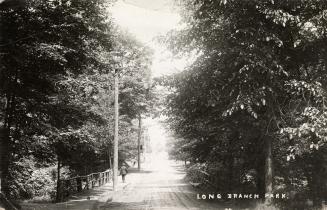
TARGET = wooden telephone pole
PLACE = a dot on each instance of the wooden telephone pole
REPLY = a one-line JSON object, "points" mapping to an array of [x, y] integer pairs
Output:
{"points": [[115, 175], [139, 143]]}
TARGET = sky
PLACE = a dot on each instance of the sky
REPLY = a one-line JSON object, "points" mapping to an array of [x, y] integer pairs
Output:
{"points": [[146, 19]]}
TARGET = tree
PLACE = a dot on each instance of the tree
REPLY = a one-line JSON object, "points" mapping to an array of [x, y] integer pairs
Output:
{"points": [[43, 43], [56, 93], [258, 63]]}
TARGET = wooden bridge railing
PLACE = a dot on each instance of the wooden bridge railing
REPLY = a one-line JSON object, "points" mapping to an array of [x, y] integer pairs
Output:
{"points": [[77, 184]]}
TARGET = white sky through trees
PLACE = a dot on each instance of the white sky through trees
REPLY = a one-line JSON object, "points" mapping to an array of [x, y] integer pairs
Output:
{"points": [[147, 19]]}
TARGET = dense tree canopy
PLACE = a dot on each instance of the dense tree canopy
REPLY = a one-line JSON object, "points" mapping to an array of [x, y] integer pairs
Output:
{"points": [[56, 97], [254, 97]]}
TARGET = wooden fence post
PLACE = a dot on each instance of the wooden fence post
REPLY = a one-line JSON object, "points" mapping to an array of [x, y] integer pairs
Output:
{"points": [[87, 183], [93, 181], [79, 184], [101, 178], [67, 188]]}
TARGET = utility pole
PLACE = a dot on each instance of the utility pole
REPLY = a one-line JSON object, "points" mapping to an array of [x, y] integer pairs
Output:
{"points": [[109, 145], [115, 177], [139, 143]]}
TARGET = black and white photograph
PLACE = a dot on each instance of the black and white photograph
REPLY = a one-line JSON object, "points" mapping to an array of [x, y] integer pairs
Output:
{"points": [[163, 105]]}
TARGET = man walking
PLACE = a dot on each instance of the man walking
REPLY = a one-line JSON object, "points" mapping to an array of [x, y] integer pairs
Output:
{"points": [[123, 172]]}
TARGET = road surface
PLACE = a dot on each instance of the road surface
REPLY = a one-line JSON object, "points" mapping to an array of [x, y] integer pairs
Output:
{"points": [[159, 186]]}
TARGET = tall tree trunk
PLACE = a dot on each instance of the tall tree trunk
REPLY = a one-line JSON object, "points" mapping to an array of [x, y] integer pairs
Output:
{"points": [[318, 179], [260, 181], [5, 162], [59, 191], [2, 152], [230, 166], [6, 151], [268, 170], [5, 141], [260, 167]]}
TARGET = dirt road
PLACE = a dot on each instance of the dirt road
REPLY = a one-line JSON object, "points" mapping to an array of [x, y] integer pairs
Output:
{"points": [[158, 186]]}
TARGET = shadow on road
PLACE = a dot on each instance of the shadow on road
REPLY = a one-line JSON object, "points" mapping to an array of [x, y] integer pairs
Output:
{"points": [[85, 200], [135, 170]]}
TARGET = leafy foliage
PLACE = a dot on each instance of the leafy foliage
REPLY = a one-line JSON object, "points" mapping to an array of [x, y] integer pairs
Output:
{"points": [[56, 98], [259, 74]]}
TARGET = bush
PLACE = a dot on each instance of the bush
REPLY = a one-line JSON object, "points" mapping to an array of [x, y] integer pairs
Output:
{"points": [[193, 173], [31, 182], [262, 206], [20, 172], [42, 184]]}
